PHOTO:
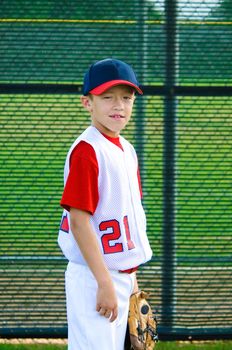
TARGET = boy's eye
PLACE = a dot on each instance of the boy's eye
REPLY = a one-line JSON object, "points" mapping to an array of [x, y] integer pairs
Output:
{"points": [[125, 97]]}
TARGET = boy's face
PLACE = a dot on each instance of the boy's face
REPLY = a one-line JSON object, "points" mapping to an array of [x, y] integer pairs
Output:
{"points": [[111, 110]]}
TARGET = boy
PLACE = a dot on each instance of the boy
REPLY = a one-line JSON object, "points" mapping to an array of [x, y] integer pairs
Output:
{"points": [[103, 228]]}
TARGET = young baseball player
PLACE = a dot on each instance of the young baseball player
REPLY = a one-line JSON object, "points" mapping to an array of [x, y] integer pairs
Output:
{"points": [[103, 227]]}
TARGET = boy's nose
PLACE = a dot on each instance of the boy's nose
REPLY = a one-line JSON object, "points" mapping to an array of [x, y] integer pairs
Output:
{"points": [[118, 105]]}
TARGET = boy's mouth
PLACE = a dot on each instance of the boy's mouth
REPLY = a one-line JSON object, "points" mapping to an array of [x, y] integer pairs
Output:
{"points": [[116, 116]]}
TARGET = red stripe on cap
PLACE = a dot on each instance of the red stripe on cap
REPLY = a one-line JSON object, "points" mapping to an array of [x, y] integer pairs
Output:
{"points": [[109, 84]]}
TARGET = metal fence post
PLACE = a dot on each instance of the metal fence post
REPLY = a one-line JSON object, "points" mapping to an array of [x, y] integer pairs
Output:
{"points": [[141, 72], [169, 174]]}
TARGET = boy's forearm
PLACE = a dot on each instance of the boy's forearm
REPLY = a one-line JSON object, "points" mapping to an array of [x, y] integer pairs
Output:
{"points": [[136, 287], [106, 299], [87, 242]]}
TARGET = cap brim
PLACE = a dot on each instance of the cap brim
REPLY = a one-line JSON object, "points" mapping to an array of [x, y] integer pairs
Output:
{"points": [[109, 84]]}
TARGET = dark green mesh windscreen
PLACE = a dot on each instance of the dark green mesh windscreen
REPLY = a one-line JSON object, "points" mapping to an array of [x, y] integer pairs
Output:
{"points": [[45, 48]]}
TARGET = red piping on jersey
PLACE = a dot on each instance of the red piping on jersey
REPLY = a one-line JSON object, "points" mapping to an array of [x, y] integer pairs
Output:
{"points": [[133, 269]]}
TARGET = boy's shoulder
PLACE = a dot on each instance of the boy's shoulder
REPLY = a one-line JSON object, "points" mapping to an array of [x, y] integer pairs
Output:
{"points": [[98, 141]]}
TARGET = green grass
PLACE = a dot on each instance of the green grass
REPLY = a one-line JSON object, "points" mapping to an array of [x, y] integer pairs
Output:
{"points": [[217, 345], [32, 347]]}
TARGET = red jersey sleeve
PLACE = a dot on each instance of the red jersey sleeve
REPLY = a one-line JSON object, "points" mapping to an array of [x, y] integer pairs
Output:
{"points": [[81, 188]]}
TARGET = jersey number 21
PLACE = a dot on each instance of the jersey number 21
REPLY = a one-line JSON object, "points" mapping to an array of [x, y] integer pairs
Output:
{"points": [[109, 240]]}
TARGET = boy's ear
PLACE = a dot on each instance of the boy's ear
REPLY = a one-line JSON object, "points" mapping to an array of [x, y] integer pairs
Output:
{"points": [[86, 103]]}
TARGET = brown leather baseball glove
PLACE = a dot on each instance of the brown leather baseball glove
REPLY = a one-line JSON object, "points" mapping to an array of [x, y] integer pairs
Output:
{"points": [[142, 326]]}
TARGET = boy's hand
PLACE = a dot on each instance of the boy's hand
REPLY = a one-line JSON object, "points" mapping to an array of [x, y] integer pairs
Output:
{"points": [[107, 304]]}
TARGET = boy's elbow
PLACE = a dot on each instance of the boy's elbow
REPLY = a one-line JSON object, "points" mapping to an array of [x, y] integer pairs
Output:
{"points": [[78, 219]]}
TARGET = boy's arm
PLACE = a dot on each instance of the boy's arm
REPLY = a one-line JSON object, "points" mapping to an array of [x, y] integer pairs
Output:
{"points": [[106, 303], [136, 286]]}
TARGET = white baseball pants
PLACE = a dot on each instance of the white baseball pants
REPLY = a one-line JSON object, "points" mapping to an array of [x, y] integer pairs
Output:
{"points": [[87, 330]]}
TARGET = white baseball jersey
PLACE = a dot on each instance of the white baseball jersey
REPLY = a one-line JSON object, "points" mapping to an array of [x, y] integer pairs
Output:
{"points": [[119, 219]]}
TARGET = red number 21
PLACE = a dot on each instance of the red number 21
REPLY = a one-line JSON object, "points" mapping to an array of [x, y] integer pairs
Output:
{"points": [[107, 239]]}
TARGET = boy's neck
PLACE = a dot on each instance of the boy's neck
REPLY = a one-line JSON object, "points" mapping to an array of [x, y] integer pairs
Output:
{"points": [[109, 137], [115, 140]]}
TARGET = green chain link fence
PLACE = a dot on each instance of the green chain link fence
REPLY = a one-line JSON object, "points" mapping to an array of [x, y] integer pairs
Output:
{"points": [[181, 128]]}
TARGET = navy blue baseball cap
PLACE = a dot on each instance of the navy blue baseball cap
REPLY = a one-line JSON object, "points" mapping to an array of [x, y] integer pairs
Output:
{"points": [[107, 73]]}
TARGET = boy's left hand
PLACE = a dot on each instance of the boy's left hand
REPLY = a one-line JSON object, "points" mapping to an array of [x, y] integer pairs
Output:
{"points": [[107, 304]]}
